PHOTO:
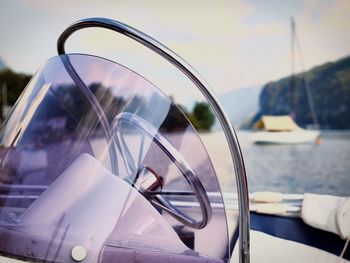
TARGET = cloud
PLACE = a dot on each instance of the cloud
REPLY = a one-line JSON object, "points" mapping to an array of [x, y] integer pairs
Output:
{"points": [[324, 30], [231, 43]]}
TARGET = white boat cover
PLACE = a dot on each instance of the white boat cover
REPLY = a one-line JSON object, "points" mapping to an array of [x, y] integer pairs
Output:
{"points": [[276, 123], [327, 212]]}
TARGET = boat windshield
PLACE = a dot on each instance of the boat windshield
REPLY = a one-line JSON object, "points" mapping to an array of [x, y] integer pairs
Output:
{"points": [[97, 163]]}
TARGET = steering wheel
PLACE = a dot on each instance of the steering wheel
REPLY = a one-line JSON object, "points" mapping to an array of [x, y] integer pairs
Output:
{"points": [[172, 153]]}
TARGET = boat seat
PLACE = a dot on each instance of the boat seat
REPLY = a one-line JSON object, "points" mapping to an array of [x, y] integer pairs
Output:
{"points": [[289, 239]]}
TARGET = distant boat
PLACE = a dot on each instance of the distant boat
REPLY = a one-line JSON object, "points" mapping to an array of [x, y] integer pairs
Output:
{"points": [[282, 130]]}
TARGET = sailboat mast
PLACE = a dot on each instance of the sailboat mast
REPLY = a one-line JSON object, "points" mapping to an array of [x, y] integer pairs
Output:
{"points": [[292, 78], [295, 46]]}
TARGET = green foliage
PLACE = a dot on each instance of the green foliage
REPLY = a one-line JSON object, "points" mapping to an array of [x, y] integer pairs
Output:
{"points": [[15, 82], [202, 117]]}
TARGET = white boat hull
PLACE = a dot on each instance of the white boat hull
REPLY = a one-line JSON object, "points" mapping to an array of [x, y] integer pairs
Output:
{"points": [[288, 137]]}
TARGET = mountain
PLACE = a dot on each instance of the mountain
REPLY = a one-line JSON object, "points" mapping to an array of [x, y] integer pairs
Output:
{"points": [[241, 104], [330, 89]]}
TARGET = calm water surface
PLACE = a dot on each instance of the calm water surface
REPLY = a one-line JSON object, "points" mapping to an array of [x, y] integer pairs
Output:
{"points": [[323, 168]]}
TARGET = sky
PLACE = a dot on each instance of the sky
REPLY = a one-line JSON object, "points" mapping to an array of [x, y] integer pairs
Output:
{"points": [[233, 44]]}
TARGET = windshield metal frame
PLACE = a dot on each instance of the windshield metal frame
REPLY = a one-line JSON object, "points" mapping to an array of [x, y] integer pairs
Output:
{"points": [[203, 86]]}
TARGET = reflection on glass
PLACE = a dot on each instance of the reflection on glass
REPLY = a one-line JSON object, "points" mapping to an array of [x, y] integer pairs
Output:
{"points": [[96, 156]]}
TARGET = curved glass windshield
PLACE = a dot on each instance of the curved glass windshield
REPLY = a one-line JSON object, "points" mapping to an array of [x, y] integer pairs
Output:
{"points": [[98, 164]]}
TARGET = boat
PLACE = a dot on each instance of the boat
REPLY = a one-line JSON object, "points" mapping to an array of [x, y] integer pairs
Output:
{"points": [[282, 130], [99, 165]]}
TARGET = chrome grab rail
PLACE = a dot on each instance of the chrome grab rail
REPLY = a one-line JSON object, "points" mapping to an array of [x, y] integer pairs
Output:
{"points": [[194, 76], [290, 205]]}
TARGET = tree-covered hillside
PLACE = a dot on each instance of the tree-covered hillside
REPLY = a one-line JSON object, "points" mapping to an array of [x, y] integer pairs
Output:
{"points": [[15, 83], [201, 116], [330, 88]]}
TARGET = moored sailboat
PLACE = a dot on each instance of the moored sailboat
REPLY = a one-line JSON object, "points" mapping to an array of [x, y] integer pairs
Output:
{"points": [[283, 129]]}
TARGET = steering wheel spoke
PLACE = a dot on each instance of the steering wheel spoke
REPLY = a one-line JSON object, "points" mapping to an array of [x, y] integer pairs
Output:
{"points": [[127, 157], [142, 145]]}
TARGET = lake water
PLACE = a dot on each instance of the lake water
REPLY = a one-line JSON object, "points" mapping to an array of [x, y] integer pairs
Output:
{"points": [[323, 168]]}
